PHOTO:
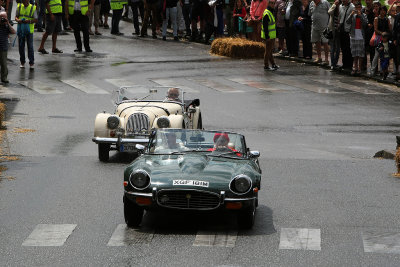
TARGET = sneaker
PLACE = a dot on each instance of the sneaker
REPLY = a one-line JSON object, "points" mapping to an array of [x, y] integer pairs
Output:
{"points": [[176, 38], [106, 26], [32, 66], [97, 33], [4, 81], [164, 38], [78, 50], [57, 51], [89, 50], [22, 66], [275, 67], [269, 68], [43, 51]]}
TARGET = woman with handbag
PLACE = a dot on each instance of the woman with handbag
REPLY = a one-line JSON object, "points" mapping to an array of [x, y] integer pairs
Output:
{"points": [[381, 25]]}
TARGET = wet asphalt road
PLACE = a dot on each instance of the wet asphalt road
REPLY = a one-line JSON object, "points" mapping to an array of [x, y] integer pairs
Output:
{"points": [[317, 133]]}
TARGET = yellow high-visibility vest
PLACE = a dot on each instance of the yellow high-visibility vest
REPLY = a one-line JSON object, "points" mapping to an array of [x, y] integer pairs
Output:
{"points": [[84, 6], [118, 4], [271, 25], [55, 6], [27, 14]]}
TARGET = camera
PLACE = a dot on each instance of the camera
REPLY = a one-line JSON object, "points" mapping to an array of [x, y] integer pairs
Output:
{"points": [[3, 20]]}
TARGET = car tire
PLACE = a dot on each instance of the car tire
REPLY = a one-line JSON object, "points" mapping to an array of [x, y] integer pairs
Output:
{"points": [[104, 152], [133, 213], [200, 122], [246, 217]]}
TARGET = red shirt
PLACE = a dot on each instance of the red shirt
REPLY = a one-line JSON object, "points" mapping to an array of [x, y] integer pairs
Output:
{"points": [[358, 23]]}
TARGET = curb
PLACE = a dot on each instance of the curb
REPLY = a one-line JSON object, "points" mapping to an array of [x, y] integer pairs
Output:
{"points": [[341, 71]]}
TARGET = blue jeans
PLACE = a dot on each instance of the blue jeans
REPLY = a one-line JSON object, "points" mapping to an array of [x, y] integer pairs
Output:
{"points": [[21, 45]]}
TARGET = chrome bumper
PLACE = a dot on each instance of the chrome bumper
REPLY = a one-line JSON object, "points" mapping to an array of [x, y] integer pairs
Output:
{"points": [[109, 140]]}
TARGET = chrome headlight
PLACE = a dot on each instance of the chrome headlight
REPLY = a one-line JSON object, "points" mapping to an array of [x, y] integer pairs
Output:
{"points": [[163, 122], [112, 122], [240, 184], [139, 179]]}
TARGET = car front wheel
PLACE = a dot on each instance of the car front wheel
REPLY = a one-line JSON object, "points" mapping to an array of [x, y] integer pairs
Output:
{"points": [[246, 217], [133, 213], [104, 152]]}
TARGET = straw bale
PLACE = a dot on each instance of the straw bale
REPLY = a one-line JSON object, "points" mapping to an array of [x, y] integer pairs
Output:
{"points": [[237, 48]]}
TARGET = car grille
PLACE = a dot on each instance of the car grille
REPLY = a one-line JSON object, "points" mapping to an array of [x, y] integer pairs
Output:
{"points": [[137, 122], [188, 199]]}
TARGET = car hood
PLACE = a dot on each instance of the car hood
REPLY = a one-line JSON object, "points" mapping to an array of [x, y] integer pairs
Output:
{"points": [[217, 171]]}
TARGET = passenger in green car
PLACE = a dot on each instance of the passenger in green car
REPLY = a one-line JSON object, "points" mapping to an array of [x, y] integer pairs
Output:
{"points": [[221, 141]]}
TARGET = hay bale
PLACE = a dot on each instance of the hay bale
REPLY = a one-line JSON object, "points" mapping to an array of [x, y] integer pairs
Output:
{"points": [[237, 48]]}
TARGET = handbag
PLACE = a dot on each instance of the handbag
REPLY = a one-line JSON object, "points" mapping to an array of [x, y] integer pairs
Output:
{"points": [[328, 33], [375, 40]]}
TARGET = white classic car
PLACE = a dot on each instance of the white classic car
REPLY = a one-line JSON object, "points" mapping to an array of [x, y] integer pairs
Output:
{"points": [[138, 111]]}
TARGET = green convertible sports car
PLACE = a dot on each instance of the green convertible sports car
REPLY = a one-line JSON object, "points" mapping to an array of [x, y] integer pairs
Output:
{"points": [[193, 170]]}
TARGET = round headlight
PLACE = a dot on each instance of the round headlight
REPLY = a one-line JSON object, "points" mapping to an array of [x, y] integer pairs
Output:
{"points": [[112, 122], [163, 122], [241, 184], [140, 179]]}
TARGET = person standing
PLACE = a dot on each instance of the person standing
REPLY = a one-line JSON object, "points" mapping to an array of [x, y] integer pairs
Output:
{"points": [[41, 5], [334, 26], [117, 7], [137, 7], [268, 32], [187, 10], [170, 13], [345, 10], [104, 11], [150, 9], [306, 33], [5, 30], [381, 25], [53, 25], [279, 14], [78, 14], [319, 15], [396, 41], [94, 18], [358, 22], [26, 17]]}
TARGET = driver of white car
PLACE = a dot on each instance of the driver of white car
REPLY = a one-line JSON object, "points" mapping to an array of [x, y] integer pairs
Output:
{"points": [[173, 94]]}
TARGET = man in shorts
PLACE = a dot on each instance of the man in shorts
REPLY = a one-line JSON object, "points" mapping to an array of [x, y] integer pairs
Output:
{"points": [[53, 25], [319, 16]]}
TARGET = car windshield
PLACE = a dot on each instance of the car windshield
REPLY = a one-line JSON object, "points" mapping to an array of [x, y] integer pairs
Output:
{"points": [[212, 143], [149, 93]]}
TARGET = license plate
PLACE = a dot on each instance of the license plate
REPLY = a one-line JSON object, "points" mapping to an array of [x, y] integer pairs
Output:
{"points": [[127, 148], [190, 182]]}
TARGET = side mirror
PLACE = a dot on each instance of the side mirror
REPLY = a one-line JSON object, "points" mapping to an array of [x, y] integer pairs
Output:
{"points": [[140, 148], [254, 154], [192, 110]]}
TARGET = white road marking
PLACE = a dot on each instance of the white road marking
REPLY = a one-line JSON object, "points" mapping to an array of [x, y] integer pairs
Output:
{"points": [[174, 83], [381, 242], [218, 86], [215, 239], [40, 87], [85, 86], [49, 235], [124, 236], [350, 87], [262, 85], [300, 238], [5, 91], [305, 85]]}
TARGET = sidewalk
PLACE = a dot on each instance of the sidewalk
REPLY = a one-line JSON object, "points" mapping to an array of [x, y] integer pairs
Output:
{"points": [[389, 80]]}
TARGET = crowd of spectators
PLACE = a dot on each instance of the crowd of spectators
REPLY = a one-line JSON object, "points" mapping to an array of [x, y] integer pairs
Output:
{"points": [[303, 27]]}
